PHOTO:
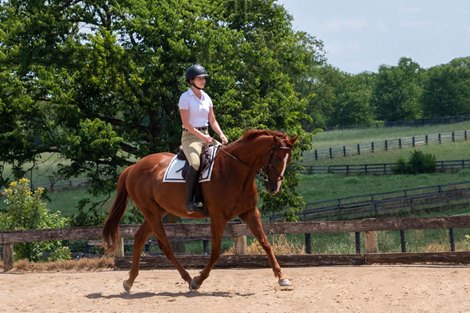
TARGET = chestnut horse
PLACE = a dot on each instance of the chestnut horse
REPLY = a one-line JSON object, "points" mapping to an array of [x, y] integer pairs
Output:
{"points": [[231, 192]]}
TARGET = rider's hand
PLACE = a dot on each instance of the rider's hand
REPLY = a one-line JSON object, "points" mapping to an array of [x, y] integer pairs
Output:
{"points": [[207, 139], [223, 139]]}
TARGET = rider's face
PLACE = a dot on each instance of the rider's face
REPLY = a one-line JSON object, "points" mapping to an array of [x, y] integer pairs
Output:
{"points": [[199, 81]]}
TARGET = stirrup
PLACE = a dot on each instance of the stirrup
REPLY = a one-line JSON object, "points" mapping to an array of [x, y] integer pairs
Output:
{"points": [[194, 207]]}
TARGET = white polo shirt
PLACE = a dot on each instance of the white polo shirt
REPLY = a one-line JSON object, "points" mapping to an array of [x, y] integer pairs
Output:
{"points": [[198, 108]]}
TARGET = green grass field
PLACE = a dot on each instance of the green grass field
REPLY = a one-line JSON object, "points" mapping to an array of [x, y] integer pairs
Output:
{"points": [[329, 186], [338, 138], [447, 151]]}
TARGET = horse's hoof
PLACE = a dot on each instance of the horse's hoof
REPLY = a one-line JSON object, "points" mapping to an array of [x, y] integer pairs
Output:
{"points": [[284, 282], [127, 286], [193, 285]]}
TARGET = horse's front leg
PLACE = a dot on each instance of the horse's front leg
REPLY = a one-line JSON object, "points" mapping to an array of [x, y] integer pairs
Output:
{"points": [[139, 240], [217, 230], [253, 220]]}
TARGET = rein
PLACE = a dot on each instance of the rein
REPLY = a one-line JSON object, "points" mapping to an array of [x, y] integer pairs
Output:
{"points": [[264, 175], [234, 157]]}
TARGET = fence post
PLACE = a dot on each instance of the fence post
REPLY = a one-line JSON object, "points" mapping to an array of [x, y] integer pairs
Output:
{"points": [[331, 153], [386, 145], [316, 155], [452, 239], [344, 150], [453, 136], [240, 245], [439, 138], [465, 136], [120, 249], [7, 257], [399, 143], [371, 242], [426, 139], [403, 241], [413, 141], [372, 147], [357, 236], [308, 243], [205, 246], [358, 148]]}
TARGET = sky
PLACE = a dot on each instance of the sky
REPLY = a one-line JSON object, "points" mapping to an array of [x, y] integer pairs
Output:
{"points": [[362, 35]]}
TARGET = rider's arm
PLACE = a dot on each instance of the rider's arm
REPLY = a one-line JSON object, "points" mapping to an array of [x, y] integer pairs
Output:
{"points": [[215, 126]]}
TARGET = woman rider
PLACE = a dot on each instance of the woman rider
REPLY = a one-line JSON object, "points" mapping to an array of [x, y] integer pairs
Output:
{"points": [[196, 111]]}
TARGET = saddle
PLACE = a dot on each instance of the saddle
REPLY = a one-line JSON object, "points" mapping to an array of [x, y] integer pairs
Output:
{"points": [[206, 160]]}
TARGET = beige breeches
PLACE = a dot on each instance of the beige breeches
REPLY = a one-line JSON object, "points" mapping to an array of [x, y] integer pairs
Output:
{"points": [[192, 148]]}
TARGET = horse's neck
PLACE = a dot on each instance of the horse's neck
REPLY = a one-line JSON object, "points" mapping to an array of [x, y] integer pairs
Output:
{"points": [[252, 152]]}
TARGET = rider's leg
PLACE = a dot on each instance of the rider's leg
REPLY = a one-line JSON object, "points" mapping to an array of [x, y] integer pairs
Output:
{"points": [[192, 148]]}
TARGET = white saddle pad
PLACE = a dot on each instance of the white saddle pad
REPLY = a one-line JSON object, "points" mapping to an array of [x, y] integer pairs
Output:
{"points": [[174, 172]]}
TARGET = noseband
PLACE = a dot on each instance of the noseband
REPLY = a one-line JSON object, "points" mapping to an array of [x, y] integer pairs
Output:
{"points": [[267, 169]]}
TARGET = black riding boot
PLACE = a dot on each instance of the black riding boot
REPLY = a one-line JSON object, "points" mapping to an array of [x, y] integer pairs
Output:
{"points": [[191, 182]]}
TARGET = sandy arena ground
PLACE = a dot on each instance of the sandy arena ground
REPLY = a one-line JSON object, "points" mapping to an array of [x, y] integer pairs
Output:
{"points": [[317, 289]]}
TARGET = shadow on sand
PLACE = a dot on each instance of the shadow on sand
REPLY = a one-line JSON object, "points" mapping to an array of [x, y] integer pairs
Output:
{"points": [[189, 294]]}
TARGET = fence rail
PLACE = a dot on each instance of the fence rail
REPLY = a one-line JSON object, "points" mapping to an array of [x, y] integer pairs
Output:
{"points": [[232, 230], [378, 168], [371, 147], [431, 198]]}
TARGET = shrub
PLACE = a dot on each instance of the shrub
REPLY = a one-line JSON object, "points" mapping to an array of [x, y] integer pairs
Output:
{"points": [[418, 163], [26, 210]]}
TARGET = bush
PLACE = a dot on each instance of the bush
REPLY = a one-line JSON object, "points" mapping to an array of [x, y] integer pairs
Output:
{"points": [[25, 210], [418, 163]]}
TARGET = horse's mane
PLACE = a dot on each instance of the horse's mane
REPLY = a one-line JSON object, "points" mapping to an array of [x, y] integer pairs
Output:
{"points": [[254, 133]]}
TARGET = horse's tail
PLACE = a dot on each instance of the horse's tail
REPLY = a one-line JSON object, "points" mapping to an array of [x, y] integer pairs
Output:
{"points": [[111, 232]]}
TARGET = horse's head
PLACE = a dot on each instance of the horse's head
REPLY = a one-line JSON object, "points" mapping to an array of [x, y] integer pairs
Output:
{"points": [[277, 160]]}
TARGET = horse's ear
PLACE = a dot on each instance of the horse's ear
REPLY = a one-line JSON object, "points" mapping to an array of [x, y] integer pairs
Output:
{"points": [[293, 140], [277, 141]]}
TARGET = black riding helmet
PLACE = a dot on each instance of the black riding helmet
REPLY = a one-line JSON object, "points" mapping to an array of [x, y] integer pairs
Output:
{"points": [[195, 70]]}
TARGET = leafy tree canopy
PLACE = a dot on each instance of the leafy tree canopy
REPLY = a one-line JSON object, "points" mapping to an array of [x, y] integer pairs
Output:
{"points": [[97, 82], [397, 91], [446, 90]]}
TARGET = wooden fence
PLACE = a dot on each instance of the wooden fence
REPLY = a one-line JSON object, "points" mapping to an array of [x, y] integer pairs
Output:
{"points": [[378, 168], [414, 200], [371, 147], [237, 231]]}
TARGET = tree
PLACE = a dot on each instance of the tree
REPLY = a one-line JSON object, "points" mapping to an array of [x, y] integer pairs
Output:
{"points": [[97, 82], [397, 91], [25, 210], [352, 101], [340, 99], [446, 90], [323, 82]]}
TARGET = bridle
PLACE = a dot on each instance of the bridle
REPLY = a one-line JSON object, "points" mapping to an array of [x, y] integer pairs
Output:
{"points": [[266, 170]]}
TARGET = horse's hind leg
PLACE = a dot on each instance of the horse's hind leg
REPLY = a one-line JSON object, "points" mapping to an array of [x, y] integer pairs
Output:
{"points": [[217, 229], [164, 244], [139, 240], [253, 220]]}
